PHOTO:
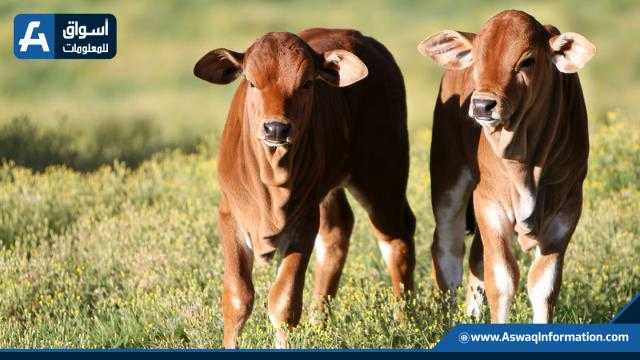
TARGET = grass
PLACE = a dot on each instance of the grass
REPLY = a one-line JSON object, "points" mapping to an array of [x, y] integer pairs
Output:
{"points": [[108, 188]]}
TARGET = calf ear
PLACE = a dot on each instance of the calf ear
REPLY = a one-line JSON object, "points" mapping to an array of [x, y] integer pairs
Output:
{"points": [[552, 30], [342, 68], [570, 51], [450, 49], [219, 66]]}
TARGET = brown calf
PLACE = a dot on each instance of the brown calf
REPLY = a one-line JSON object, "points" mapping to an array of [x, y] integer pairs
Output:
{"points": [[521, 170], [314, 113]]}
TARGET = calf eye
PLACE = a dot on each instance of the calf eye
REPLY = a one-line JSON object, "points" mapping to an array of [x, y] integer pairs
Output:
{"points": [[307, 84], [527, 63], [251, 85]]}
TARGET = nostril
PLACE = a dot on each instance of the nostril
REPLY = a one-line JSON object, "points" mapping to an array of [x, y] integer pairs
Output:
{"points": [[268, 129], [285, 130], [490, 105]]}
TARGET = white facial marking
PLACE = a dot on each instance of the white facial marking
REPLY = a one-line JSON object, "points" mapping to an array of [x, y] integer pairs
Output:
{"points": [[321, 249], [450, 217], [541, 290], [504, 285], [386, 251]]}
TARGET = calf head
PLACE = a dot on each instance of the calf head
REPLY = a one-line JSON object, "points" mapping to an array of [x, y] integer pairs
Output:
{"points": [[513, 60], [280, 72]]}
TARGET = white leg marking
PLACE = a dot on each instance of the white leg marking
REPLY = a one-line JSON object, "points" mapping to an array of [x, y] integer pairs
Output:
{"points": [[475, 297], [281, 341], [504, 286], [245, 239], [541, 290], [386, 251], [320, 249], [245, 243], [496, 218], [526, 205], [236, 303], [450, 227]]}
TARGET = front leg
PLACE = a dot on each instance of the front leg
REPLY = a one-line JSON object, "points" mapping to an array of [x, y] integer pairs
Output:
{"points": [[543, 283], [285, 295], [500, 270], [238, 292]]}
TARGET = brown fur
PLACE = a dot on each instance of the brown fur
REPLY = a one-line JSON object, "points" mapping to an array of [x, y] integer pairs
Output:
{"points": [[352, 137], [539, 149]]}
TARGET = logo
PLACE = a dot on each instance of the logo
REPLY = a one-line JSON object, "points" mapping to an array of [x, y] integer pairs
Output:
{"points": [[33, 36], [27, 40], [64, 36]]}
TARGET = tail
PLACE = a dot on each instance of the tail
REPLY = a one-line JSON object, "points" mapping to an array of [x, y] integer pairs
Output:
{"points": [[471, 218]]}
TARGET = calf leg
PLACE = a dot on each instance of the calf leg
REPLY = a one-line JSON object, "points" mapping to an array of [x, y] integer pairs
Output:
{"points": [[238, 292], [545, 275], [543, 284], [500, 269], [383, 195], [394, 228], [447, 250], [285, 295], [501, 281], [332, 245], [475, 289]]}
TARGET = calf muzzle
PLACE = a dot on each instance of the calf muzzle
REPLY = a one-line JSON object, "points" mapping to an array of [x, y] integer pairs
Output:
{"points": [[276, 133]]}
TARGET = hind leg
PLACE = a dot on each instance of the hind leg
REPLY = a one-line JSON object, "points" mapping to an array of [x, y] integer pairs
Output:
{"points": [[332, 245], [450, 202], [393, 224], [394, 230], [474, 303]]}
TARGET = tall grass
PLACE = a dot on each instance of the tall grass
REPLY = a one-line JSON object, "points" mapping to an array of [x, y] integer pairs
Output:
{"points": [[130, 258]]}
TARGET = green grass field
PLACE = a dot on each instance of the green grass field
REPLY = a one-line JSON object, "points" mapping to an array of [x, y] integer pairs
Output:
{"points": [[108, 187]]}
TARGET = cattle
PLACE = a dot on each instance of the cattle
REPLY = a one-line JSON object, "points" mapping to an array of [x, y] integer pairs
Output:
{"points": [[509, 151], [314, 114]]}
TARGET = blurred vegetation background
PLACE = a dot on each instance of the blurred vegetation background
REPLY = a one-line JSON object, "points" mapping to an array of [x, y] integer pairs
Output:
{"points": [[115, 245], [87, 113]]}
